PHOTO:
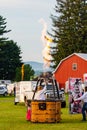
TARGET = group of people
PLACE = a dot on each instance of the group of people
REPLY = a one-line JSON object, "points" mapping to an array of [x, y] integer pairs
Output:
{"points": [[40, 96]]}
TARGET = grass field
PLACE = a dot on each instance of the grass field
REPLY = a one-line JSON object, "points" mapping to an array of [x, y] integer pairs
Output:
{"points": [[13, 117]]}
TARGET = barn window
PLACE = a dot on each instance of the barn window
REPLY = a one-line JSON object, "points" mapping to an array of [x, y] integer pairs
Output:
{"points": [[74, 66]]}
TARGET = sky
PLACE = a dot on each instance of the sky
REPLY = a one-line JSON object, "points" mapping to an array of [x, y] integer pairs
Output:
{"points": [[23, 18]]}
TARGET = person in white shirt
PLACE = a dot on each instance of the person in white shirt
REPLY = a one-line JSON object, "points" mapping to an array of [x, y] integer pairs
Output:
{"points": [[40, 93], [84, 99]]}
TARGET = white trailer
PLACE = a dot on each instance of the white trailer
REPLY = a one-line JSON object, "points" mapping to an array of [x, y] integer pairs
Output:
{"points": [[24, 89]]}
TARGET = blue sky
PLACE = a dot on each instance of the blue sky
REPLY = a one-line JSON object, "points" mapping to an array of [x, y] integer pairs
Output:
{"points": [[22, 17]]}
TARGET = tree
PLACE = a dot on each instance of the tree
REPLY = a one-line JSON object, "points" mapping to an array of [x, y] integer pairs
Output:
{"points": [[28, 73], [18, 74], [10, 57], [3, 29], [69, 30]]}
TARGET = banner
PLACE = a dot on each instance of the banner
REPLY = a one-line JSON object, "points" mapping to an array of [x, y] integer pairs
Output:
{"points": [[75, 91]]}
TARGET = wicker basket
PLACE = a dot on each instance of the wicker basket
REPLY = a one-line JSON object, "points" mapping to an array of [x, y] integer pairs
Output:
{"points": [[46, 111]]}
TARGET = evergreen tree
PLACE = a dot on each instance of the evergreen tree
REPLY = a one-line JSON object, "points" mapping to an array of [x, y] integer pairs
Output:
{"points": [[10, 57], [69, 30], [3, 29]]}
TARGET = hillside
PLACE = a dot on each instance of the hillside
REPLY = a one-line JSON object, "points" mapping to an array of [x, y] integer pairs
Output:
{"points": [[36, 66]]}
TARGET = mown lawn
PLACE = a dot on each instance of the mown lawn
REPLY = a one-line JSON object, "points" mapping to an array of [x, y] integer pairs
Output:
{"points": [[13, 117]]}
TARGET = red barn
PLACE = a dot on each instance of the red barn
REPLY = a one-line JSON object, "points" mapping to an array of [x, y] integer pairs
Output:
{"points": [[75, 65]]}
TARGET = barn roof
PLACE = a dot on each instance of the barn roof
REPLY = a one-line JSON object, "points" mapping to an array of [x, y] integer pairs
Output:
{"points": [[81, 55]]}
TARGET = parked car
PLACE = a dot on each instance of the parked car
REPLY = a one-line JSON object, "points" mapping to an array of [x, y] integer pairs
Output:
{"points": [[3, 90], [62, 98], [50, 94]]}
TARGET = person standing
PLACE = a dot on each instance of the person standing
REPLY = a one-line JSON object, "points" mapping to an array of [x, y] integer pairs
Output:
{"points": [[83, 98], [14, 91], [40, 93], [28, 114]]}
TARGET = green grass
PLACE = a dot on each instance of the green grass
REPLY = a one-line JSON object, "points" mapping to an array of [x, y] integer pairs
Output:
{"points": [[13, 117]]}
